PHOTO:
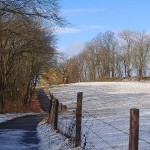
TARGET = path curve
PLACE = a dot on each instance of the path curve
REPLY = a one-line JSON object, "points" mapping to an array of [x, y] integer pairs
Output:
{"points": [[21, 133]]}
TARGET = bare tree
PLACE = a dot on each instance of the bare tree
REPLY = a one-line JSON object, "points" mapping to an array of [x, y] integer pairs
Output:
{"points": [[26, 49], [127, 43], [23, 51], [141, 53], [109, 56], [110, 47], [46, 9]]}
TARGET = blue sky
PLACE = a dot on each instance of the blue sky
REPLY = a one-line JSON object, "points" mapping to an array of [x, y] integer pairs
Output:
{"points": [[89, 17]]}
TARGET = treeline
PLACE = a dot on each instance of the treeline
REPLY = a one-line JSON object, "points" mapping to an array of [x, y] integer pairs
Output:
{"points": [[109, 56], [26, 48]]}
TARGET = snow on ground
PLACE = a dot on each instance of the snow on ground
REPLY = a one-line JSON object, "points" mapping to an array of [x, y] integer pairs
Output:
{"points": [[11, 139], [6, 117], [50, 139], [105, 123]]}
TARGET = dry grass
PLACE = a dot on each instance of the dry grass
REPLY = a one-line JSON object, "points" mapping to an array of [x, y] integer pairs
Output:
{"points": [[34, 106], [17, 107]]}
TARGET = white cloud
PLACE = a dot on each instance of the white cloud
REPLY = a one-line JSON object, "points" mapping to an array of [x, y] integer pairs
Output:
{"points": [[92, 27], [66, 30], [83, 10]]}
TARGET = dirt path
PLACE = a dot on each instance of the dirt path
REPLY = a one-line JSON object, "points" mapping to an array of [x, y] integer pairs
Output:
{"points": [[20, 133], [43, 100]]}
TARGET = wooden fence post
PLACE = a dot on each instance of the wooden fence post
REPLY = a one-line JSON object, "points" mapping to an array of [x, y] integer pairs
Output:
{"points": [[50, 109], [134, 129], [56, 114], [60, 106], [78, 119]]}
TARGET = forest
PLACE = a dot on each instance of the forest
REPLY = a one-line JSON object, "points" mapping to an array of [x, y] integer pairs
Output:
{"points": [[27, 47], [108, 56]]}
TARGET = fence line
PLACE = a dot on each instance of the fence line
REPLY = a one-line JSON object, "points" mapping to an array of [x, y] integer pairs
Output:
{"points": [[69, 128], [72, 128], [105, 122], [66, 128], [101, 138]]}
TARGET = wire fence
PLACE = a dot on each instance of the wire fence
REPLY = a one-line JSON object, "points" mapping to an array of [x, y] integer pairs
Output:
{"points": [[90, 130], [101, 133], [144, 138]]}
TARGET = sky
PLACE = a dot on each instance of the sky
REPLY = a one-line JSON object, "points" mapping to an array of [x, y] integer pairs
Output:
{"points": [[90, 17]]}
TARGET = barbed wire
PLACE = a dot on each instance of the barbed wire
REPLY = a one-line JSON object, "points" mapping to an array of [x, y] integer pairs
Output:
{"points": [[85, 135], [113, 126], [101, 138], [144, 141], [58, 137], [105, 122], [67, 127]]}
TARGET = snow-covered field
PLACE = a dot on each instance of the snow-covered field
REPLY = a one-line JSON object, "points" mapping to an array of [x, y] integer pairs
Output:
{"points": [[106, 106], [105, 122]]}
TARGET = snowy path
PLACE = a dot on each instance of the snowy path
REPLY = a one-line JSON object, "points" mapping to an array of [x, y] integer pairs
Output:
{"points": [[20, 133]]}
